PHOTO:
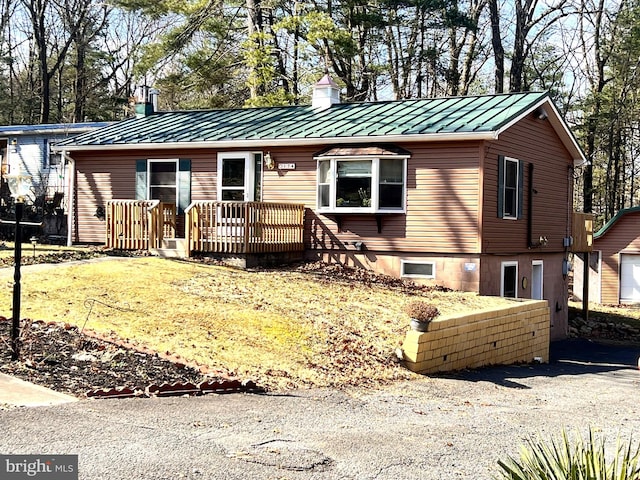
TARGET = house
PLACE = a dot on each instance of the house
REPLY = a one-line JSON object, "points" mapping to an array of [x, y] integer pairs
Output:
{"points": [[471, 193], [26, 149], [614, 265]]}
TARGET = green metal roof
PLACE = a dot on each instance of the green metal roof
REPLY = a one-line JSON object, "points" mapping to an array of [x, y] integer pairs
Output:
{"points": [[615, 219], [472, 116]]}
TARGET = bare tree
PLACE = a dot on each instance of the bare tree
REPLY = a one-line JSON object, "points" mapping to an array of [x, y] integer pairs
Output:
{"points": [[498, 48], [48, 59], [592, 26], [84, 21], [462, 28]]}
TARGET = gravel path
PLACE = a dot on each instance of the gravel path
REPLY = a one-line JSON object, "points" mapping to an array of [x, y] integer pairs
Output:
{"points": [[434, 428]]}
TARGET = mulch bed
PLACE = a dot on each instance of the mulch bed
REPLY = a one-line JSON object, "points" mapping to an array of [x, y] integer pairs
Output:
{"points": [[67, 360]]}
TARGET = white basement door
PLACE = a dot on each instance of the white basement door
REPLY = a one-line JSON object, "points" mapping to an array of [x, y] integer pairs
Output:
{"points": [[629, 278]]}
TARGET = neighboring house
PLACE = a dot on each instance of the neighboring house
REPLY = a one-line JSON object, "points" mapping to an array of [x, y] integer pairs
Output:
{"points": [[614, 264], [26, 149], [472, 193]]}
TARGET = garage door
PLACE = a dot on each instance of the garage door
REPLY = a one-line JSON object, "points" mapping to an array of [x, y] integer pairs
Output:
{"points": [[630, 278]]}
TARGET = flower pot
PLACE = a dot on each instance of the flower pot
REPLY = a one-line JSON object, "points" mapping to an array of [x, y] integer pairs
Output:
{"points": [[419, 326]]}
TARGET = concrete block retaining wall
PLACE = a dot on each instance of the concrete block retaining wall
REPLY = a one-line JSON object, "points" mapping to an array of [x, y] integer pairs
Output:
{"points": [[507, 335]]}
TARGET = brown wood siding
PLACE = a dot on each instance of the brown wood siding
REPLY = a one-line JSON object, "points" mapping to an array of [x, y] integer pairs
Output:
{"points": [[532, 141], [105, 176], [293, 186], [442, 202], [442, 196], [442, 199], [94, 188], [622, 237]]}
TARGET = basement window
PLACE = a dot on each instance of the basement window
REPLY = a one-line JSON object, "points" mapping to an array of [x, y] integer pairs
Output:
{"points": [[412, 269]]}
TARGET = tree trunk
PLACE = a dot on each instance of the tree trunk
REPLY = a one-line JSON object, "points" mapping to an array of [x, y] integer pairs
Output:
{"points": [[254, 25], [498, 49]]}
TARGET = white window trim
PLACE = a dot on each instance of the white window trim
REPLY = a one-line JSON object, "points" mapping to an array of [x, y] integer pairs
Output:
{"points": [[249, 173], [541, 264], [161, 160], [502, 267], [504, 188], [420, 262], [375, 184]]}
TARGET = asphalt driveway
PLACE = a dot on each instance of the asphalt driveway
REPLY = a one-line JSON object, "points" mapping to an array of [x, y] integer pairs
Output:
{"points": [[445, 427]]}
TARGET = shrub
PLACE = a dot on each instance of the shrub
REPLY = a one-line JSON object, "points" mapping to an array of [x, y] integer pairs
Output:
{"points": [[586, 460], [421, 311]]}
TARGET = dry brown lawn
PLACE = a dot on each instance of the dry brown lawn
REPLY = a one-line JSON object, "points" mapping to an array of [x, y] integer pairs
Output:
{"points": [[282, 328], [39, 249]]}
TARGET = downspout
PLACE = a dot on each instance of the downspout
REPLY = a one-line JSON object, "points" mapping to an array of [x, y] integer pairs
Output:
{"points": [[71, 206]]}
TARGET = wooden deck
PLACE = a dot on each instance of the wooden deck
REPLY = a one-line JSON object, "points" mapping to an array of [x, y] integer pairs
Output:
{"points": [[210, 226], [244, 227]]}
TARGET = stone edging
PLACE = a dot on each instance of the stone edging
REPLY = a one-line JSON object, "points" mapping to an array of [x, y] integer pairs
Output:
{"points": [[227, 385]]}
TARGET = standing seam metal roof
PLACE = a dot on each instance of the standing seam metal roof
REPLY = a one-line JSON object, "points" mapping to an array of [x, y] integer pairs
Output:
{"points": [[606, 227], [471, 114]]}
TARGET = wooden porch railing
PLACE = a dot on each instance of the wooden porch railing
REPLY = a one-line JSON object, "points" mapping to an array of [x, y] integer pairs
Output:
{"points": [[244, 227], [139, 224]]}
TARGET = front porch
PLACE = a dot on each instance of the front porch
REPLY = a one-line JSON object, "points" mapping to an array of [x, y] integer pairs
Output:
{"points": [[219, 228]]}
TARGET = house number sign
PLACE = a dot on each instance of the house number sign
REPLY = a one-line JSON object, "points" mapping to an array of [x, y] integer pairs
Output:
{"points": [[286, 166]]}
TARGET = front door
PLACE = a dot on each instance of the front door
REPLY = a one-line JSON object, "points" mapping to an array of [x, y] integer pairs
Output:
{"points": [[235, 177]]}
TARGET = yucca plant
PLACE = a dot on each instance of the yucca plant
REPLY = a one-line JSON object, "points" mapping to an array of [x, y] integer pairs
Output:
{"points": [[584, 460]]}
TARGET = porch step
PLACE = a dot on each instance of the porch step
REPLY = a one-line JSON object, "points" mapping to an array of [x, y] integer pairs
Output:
{"points": [[171, 248]]}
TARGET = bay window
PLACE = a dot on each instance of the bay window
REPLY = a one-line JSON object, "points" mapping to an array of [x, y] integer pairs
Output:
{"points": [[361, 184]]}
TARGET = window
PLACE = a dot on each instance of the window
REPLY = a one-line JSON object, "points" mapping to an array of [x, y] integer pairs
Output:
{"points": [[413, 269], [51, 159], [509, 280], [162, 180], [166, 180], [361, 184], [510, 187]]}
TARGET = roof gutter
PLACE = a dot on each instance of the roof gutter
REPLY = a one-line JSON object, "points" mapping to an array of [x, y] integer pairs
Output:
{"points": [[284, 142], [48, 131]]}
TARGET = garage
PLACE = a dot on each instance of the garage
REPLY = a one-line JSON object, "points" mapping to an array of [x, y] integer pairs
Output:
{"points": [[629, 278]]}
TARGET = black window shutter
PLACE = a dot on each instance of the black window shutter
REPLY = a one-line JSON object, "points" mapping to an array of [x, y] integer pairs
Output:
{"points": [[184, 184], [500, 186], [520, 187], [141, 179]]}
